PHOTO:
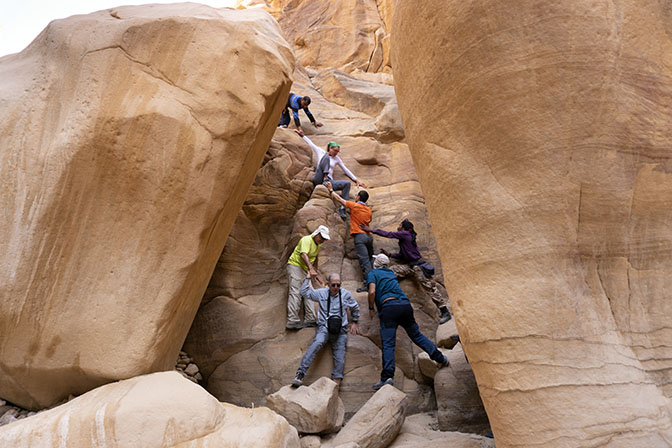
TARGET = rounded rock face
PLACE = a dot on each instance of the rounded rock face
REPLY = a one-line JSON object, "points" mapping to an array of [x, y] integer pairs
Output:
{"points": [[128, 138], [541, 135]]}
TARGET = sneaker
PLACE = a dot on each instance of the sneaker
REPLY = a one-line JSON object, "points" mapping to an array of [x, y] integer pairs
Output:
{"points": [[294, 326], [381, 383], [283, 126], [445, 315], [310, 324], [342, 214], [444, 363], [298, 380]]}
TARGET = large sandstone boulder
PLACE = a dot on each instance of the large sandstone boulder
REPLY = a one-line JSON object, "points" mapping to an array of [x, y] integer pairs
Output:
{"points": [[541, 134], [377, 423], [129, 140], [161, 410], [312, 409]]}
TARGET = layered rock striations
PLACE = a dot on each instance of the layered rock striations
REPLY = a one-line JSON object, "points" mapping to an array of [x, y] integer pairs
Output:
{"points": [[541, 135], [129, 139]]}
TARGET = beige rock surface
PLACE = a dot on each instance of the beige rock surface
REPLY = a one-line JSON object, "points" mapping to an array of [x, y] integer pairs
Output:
{"points": [[158, 410], [460, 407], [344, 34], [420, 431], [445, 334], [311, 442], [542, 140], [376, 423], [310, 409], [126, 143]]}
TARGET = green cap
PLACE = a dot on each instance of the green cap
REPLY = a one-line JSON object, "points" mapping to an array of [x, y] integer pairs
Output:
{"points": [[332, 144]]}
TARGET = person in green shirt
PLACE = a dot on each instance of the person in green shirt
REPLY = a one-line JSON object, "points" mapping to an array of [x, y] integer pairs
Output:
{"points": [[304, 260]]}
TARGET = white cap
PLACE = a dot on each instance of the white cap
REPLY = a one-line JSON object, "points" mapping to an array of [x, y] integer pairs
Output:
{"points": [[322, 230], [380, 260]]}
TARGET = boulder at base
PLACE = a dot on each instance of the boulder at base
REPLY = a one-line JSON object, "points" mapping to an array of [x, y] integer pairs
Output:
{"points": [[160, 410], [310, 409], [377, 423]]}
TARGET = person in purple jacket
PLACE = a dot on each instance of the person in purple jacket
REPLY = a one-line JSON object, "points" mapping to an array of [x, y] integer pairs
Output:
{"points": [[410, 262]]}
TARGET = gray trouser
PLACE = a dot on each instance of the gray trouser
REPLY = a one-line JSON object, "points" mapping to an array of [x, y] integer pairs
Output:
{"points": [[296, 275], [343, 186], [337, 342], [364, 251]]}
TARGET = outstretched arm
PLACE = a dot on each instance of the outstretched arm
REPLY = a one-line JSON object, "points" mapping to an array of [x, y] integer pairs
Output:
{"points": [[335, 196], [308, 293], [311, 118], [312, 270], [349, 173], [372, 298]]}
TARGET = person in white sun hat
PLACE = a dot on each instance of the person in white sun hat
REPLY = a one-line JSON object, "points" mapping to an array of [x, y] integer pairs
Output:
{"points": [[304, 261]]}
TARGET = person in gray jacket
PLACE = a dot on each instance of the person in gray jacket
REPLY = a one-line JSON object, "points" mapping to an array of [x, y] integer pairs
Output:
{"points": [[332, 325]]}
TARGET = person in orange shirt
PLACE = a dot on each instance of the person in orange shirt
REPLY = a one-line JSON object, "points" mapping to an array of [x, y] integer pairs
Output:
{"points": [[360, 213]]}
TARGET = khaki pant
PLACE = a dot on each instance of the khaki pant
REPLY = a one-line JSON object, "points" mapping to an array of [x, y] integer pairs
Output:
{"points": [[428, 285], [296, 276]]}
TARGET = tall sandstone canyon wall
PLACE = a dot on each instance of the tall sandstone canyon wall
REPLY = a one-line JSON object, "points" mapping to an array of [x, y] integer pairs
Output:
{"points": [[128, 139], [541, 132]]}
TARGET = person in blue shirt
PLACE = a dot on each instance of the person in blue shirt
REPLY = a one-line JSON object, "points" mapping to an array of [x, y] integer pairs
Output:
{"points": [[333, 302], [394, 309], [411, 262], [294, 103]]}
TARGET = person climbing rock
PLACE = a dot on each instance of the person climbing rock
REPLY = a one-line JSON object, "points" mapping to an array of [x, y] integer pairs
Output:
{"points": [[324, 172], [412, 264], [394, 309], [360, 214], [304, 261], [332, 325], [294, 103]]}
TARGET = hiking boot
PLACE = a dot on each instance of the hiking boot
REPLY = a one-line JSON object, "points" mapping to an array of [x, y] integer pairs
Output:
{"points": [[342, 214], [298, 380], [362, 289], [445, 315], [294, 326], [309, 324], [381, 383], [444, 363]]}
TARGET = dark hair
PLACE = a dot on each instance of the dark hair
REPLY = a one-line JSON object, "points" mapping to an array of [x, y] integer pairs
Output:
{"points": [[307, 99], [363, 195], [408, 225]]}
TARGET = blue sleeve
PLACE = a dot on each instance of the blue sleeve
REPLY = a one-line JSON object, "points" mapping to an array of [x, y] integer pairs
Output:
{"points": [[371, 278], [308, 293]]}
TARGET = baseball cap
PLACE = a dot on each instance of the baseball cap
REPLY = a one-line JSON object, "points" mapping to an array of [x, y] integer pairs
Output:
{"points": [[322, 230], [381, 259]]}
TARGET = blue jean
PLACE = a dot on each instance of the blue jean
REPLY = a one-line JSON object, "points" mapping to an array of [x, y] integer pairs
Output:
{"points": [[337, 342], [343, 186], [392, 314]]}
